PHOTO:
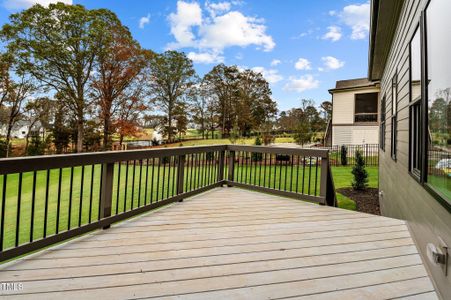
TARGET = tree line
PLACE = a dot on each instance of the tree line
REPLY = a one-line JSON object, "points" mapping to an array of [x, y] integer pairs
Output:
{"points": [[77, 77]]}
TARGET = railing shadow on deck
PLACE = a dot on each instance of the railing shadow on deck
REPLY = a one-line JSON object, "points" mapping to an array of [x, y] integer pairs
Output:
{"points": [[49, 199]]}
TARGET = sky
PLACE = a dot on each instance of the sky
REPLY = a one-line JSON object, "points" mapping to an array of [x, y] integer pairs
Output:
{"points": [[300, 46]]}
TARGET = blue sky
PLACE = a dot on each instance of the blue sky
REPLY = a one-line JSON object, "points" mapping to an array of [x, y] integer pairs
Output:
{"points": [[301, 46]]}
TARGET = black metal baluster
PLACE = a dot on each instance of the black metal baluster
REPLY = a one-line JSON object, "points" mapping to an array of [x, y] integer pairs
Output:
{"points": [[158, 178], [91, 192], [100, 193], [169, 178], [286, 175], [58, 208], [2, 224], [297, 173], [46, 205], [140, 181], [71, 185], [264, 169], [291, 173], [118, 189], [19, 200], [260, 168], [174, 184], [280, 172], [33, 200], [133, 185], [191, 158], [303, 174], [275, 170], [145, 186], [152, 187], [80, 210], [164, 177], [126, 186], [309, 174]]}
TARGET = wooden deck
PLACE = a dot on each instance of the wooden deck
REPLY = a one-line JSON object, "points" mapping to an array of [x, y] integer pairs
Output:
{"points": [[230, 243]]}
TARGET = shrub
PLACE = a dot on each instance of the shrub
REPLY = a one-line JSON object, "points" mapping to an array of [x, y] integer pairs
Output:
{"points": [[3, 148], [360, 181], [155, 142], [37, 146], [344, 155], [256, 156]]}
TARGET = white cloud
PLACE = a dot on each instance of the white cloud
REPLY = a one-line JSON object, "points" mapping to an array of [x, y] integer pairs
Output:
{"points": [[20, 4], [187, 16], [217, 32], [303, 64], [271, 75], [215, 8], [334, 34], [332, 63], [332, 13], [357, 16], [143, 21], [205, 57], [275, 62], [303, 83], [234, 29]]}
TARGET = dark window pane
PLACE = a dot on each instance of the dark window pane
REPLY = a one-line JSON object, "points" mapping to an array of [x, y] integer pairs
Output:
{"points": [[366, 107], [439, 97]]}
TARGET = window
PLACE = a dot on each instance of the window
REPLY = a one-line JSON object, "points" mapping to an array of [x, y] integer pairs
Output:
{"points": [[438, 47], [394, 116], [415, 111], [382, 127], [365, 107]]}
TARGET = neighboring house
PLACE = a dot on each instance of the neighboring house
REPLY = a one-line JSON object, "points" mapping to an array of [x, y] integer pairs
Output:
{"points": [[410, 46], [355, 118], [20, 130]]}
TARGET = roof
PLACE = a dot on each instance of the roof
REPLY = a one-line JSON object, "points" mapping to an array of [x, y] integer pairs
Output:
{"points": [[347, 84], [384, 20]]}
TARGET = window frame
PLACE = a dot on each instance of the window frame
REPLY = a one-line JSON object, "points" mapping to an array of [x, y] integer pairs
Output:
{"points": [[360, 114], [422, 179], [394, 116], [415, 115], [382, 123]]}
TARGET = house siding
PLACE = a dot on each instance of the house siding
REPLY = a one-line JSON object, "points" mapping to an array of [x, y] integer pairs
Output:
{"points": [[401, 195], [344, 130]]}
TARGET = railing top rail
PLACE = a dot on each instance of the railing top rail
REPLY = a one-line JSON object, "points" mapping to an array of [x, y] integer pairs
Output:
{"points": [[323, 153], [45, 162]]}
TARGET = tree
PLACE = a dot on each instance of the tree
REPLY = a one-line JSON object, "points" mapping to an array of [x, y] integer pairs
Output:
{"points": [[172, 77], [360, 181], [16, 94], [119, 62], [222, 83], [58, 45], [60, 132], [37, 113], [181, 120], [129, 112]]}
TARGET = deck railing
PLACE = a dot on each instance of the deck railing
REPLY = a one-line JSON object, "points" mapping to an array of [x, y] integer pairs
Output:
{"points": [[49, 199]]}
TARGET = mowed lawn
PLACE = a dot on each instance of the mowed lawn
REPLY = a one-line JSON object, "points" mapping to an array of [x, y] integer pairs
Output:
{"points": [[135, 185]]}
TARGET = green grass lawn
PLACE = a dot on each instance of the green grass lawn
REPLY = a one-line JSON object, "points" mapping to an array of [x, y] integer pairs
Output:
{"points": [[161, 182], [343, 178]]}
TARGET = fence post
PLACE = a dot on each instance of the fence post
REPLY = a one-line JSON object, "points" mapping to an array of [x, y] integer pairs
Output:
{"points": [[231, 167], [180, 174], [221, 166], [106, 191]]}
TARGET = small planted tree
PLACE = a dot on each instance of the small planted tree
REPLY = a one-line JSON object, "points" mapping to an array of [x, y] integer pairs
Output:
{"points": [[360, 181], [344, 155], [256, 156]]}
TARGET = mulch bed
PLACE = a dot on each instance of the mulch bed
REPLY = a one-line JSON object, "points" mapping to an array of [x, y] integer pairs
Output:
{"points": [[367, 201]]}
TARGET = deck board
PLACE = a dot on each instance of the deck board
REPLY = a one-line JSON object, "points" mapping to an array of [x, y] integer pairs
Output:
{"points": [[235, 244]]}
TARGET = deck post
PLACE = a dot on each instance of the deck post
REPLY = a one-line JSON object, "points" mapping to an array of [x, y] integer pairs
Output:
{"points": [[221, 166], [231, 167], [324, 175], [180, 174], [106, 191]]}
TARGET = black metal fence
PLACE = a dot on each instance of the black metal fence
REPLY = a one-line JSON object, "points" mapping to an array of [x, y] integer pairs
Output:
{"points": [[370, 154], [48, 199]]}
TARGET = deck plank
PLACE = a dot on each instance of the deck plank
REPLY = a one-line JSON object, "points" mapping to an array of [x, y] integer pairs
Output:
{"points": [[235, 244]]}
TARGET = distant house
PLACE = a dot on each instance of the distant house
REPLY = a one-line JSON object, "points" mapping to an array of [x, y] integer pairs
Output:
{"points": [[355, 118], [410, 45], [21, 129]]}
